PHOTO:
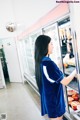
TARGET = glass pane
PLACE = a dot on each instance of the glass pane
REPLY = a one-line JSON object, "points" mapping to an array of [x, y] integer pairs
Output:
{"points": [[29, 52], [52, 31]]}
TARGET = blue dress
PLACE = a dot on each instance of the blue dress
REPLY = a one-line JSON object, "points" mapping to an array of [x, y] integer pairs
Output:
{"points": [[51, 93]]}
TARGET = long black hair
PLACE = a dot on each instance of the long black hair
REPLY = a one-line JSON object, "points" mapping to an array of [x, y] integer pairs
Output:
{"points": [[41, 50]]}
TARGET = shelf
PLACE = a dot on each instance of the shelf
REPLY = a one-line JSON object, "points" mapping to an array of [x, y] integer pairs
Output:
{"points": [[70, 88], [75, 114], [73, 85], [69, 70], [73, 102]]}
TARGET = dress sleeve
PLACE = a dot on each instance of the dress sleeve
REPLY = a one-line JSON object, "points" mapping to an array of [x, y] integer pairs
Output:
{"points": [[53, 72]]}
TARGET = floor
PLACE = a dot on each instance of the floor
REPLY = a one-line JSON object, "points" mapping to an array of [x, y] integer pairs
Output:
{"points": [[19, 102]]}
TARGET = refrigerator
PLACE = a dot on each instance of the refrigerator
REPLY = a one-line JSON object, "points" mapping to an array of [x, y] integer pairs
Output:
{"points": [[65, 55]]}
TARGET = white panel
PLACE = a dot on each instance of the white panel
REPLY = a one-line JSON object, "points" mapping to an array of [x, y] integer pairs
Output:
{"points": [[12, 60]]}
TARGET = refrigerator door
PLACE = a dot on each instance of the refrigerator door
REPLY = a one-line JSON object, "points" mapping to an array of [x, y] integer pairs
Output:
{"points": [[29, 72], [53, 32], [73, 89]]}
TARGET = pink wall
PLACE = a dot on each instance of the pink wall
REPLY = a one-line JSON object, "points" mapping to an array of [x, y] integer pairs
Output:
{"points": [[55, 13]]}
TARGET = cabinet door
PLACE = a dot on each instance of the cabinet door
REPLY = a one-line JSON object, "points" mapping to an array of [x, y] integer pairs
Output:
{"points": [[52, 31], [70, 59], [29, 43]]}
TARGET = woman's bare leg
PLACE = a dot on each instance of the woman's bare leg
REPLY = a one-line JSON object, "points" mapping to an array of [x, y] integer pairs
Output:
{"points": [[58, 118]]}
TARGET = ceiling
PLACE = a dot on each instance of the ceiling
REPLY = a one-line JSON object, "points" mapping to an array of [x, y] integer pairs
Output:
{"points": [[22, 12]]}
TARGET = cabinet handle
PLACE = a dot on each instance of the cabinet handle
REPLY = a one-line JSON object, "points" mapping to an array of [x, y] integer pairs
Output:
{"points": [[76, 53]]}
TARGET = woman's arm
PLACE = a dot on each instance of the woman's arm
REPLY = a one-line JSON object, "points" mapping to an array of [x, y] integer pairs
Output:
{"points": [[67, 80]]}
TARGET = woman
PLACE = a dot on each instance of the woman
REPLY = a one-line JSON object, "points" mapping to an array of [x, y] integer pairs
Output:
{"points": [[50, 79]]}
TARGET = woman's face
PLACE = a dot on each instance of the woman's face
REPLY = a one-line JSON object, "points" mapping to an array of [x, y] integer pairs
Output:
{"points": [[50, 48]]}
